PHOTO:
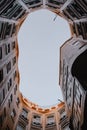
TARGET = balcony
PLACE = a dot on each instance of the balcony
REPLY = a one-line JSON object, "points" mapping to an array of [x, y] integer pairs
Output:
{"points": [[23, 119]]}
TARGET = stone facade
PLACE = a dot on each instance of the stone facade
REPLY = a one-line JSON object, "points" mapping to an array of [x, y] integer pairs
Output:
{"points": [[16, 112]]}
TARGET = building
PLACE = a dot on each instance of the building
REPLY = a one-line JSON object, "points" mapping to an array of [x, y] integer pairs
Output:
{"points": [[16, 112], [73, 80]]}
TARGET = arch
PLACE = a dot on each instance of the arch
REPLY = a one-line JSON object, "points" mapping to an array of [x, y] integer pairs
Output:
{"points": [[79, 69]]}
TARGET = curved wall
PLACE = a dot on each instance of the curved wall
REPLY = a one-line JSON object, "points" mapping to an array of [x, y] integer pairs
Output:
{"points": [[14, 109]]}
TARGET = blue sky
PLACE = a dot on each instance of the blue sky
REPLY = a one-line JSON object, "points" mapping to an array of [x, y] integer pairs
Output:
{"points": [[40, 38]]}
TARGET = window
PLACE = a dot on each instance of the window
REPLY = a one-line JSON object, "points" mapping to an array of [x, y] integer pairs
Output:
{"points": [[1, 28], [50, 120], [15, 74], [63, 117], [3, 4], [11, 97], [3, 94], [13, 29], [13, 45], [8, 29], [7, 48], [36, 120], [8, 67], [31, 2], [1, 97], [56, 2], [79, 32], [17, 101], [70, 11], [14, 60], [9, 83], [9, 103], [22, 14], [24, 113], [0, 52], [62, 110], [1, 75], [80, 100], [19, 127], [8, 9], [77, 8], [18, 11], [70, 92], [84, 29], [15, 89], [10, 100], [13, 113]]}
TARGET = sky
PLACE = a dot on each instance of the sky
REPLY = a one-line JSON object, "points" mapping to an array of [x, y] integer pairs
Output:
{"points": [[40, 38]]}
